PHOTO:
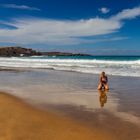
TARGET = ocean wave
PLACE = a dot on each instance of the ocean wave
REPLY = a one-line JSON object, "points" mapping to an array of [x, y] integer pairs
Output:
{"points": [[94, 66]]}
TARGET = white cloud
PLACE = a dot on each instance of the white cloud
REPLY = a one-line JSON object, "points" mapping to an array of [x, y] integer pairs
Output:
{"points": [[104, 10], [64, 32], [57, 31], [127, 14], [21, 7]]}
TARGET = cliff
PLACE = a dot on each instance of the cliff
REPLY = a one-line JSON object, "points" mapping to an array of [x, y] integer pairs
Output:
{"points": [[20, 51], [17, 51]]}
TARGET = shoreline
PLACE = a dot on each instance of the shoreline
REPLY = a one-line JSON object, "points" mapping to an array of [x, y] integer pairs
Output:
{"points": [[22, 121], [22, 69]]}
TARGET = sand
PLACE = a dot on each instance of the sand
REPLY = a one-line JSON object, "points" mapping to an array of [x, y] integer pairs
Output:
{"points": [[20, 121], [66, 105]]}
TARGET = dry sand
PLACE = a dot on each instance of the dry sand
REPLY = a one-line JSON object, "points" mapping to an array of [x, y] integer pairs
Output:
{"points": [[19, 121]]}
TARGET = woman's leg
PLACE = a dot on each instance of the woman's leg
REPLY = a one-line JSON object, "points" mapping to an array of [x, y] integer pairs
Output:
{"points": [[106, 86], [99, 86]]}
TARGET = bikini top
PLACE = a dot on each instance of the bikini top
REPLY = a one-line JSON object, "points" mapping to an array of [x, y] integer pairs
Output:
{"points": [[104, 79]]}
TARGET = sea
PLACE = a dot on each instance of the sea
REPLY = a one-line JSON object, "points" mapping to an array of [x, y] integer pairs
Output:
{"points": [[112, 65]]}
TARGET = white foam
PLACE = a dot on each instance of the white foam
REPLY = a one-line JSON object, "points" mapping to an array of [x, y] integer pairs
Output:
{"points": [[122, 68]]}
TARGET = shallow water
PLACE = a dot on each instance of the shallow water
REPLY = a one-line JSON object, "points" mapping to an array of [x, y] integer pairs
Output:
{"points": [[75, 95]]}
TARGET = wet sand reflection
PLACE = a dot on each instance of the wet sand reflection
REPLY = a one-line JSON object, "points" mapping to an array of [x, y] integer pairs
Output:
{"points": [[102, 97]]}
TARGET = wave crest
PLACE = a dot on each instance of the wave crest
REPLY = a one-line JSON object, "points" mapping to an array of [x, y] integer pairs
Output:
{"points": [[112, 67]]}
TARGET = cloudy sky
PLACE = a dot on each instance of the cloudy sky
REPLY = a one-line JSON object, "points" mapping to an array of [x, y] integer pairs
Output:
{"points": [[89, 26]]}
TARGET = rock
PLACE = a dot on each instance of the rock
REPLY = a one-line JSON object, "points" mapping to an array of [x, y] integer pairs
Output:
{"points": [[21, 52], [17, 51]]}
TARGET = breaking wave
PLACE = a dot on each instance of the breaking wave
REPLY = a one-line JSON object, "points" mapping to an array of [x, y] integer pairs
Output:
{"points": [[94, 66]]}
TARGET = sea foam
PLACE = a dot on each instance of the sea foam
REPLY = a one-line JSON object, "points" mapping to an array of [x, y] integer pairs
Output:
{"points": [[94, 66]]}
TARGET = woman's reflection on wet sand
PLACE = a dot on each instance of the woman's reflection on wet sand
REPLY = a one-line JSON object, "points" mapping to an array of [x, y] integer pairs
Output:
{"points": [[102, 97]]}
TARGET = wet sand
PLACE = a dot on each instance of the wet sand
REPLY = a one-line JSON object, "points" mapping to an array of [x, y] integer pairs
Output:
{"points": [[73, 98], [19, 121]]}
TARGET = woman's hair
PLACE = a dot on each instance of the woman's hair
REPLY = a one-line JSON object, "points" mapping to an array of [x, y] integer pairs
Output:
{"points": [[103, 73]]}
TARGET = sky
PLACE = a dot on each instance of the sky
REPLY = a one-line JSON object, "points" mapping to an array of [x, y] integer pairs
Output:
{"points": [[99, 27]]}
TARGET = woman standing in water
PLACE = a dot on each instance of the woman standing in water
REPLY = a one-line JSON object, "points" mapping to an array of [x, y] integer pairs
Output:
{"points": [[103, 83]]}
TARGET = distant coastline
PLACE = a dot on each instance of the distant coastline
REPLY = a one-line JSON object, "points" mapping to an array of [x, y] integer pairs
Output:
{"points": [[17, 51]]}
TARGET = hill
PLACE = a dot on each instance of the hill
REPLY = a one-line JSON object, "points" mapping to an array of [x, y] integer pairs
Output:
{"points": [[20, 52]]}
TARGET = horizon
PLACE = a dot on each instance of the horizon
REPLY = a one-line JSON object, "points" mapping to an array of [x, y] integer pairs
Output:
{"points": [[91, 27]]}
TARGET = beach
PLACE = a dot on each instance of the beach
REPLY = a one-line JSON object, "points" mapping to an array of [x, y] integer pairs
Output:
{"points": [[21, 121], [49, 104]]}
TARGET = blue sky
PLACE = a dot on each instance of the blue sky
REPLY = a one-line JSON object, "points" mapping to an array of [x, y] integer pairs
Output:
{"points": [[89, 26]]}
